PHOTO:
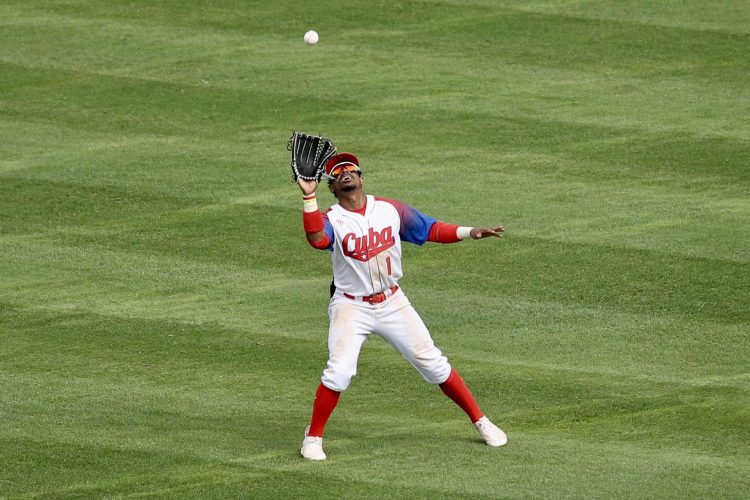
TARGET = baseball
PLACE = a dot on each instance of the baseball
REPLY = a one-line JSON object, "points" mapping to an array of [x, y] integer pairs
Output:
{"points": [[311, 37]]}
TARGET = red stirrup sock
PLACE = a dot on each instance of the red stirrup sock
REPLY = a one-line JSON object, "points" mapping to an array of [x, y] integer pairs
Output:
{"points": [[456, 389], [325, 401]]}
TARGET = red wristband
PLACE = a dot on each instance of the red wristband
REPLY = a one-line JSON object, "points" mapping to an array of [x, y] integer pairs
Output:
{"points": [[441, 232], [313, 221]]}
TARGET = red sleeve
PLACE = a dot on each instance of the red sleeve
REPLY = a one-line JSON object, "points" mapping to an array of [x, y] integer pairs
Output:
{"points": [[441, 232], [314, 222], [321, 244]]}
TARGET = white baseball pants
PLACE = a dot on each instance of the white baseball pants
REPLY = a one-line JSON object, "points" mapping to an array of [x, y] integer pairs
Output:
{"points": [[351, 323]]}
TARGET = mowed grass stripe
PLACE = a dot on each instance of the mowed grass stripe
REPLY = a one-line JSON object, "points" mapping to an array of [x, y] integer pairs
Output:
{"points": [[712, 15], [129, 409], [673, 92], [692, 196], [239, 477], [623, 280], [611, 46], [549, 150], [126, 105], [640, 278], [170, 288], [148, 469], [580, 97], [372, 447], [621, 44], [678, 224], [525, 334]]}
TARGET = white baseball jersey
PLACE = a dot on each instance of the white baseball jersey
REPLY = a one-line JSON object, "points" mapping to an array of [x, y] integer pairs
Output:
{"points": [[366, 249]]}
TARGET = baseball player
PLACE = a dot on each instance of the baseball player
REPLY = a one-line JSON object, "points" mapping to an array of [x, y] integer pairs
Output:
{"points": [[364, 233]]}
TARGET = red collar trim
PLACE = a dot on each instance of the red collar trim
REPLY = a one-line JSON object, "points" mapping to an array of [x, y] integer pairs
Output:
{"points": [[360, 211]]}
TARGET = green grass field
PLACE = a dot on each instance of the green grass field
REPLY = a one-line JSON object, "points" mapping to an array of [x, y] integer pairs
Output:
{"points": [[163, 321]]}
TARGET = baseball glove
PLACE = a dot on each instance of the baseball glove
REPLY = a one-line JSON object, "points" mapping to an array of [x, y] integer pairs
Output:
{"points": [[309, 155]]}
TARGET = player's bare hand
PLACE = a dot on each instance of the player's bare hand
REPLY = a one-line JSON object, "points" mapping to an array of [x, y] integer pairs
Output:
{"points": [[307, 187], [478, 233]]}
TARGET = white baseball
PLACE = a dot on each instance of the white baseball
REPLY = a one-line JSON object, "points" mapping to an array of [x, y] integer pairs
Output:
{"points": [[311, 37]]}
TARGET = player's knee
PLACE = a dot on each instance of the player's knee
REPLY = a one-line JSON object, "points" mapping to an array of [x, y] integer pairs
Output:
{"points": [[435, 372], [442, 374], [431, 364], [438, 375], [338, 380]]}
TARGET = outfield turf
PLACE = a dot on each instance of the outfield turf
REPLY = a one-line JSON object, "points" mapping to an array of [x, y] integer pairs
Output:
{"points": [[163, 321]]}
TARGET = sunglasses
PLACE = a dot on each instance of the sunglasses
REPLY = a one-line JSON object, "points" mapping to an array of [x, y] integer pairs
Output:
{"points": [[340, 169]]}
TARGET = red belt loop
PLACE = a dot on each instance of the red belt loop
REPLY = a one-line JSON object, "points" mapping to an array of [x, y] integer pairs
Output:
{"points": [[375, 298]]}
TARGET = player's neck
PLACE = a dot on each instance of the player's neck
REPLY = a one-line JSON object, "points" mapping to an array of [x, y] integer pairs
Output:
{"points": [[353, 201]]}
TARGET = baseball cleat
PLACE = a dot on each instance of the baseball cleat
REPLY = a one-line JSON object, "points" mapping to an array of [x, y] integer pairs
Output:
{"points": [[491, 433], [312, 447]]}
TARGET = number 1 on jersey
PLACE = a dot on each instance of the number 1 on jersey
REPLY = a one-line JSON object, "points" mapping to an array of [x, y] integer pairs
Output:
{"points": [[388, 264]]}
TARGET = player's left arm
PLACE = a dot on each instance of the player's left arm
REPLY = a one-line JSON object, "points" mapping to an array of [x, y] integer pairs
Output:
{"points": [[419, 228], [442, 232]]}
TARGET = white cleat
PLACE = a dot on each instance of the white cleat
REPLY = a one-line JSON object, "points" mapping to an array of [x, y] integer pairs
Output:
{"points": [[312, 447], [491, 433]]}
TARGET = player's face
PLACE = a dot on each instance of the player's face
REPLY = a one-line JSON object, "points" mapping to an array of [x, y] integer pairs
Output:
{"points": [[348, 179]]}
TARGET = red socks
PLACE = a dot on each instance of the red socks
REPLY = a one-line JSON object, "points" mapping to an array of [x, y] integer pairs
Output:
{"points": [[325, 401], [456, 389]]}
